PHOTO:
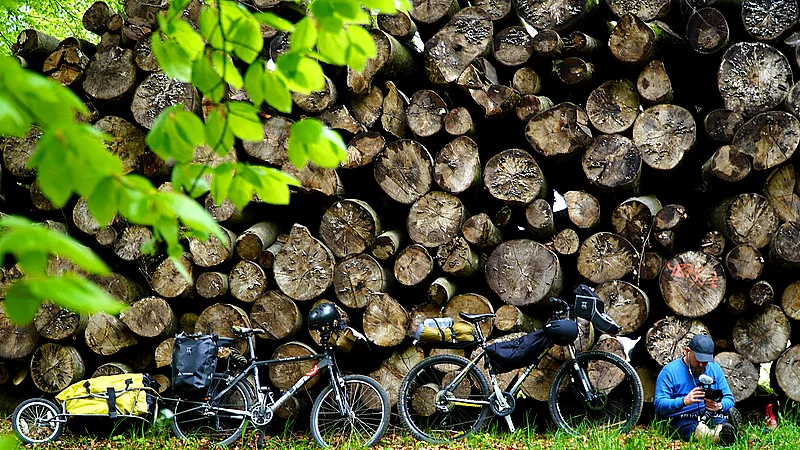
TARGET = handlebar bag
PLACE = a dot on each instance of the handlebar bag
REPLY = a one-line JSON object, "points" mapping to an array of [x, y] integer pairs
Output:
{"points": [[516, 353], [194, 360]]}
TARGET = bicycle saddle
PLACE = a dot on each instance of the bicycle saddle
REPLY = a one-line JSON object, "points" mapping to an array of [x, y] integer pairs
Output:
{"points": [[244, 332], [475, 318]]}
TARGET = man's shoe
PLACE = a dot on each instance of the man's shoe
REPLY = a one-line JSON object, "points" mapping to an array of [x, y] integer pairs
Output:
{"points": [[735, 418], [727, 434]]}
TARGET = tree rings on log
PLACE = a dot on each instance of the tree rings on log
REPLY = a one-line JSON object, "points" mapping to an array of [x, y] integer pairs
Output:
{"points": [[276, 314], [566, 242], [537, 385], [219, 319], [471, 304], [111, 368], [110, 74], [458, 165], [728, 164], [707, 31], [664, 133], [613, 106], [367, 107], [150, 317], [254, 240], [560, 130], [163, 353], [513, 176], [317, 101], [510, 319], [120, 287], [753, 77], [127, 141], [782, 188], [693, 283], [668, 338], [157, 93], [54, 367], [790, 300], [304, 266], [513, 46], [413, 265], [785, 370], [606, 256], [653, 83], [284, 376], [740, 373], [247, 281], [458, 121], [761, 292], [107, 335], [356, 280], [559, 16], [212, 252], [404, 170], [523, 272], [766, 22], [762, 336], [583, 209], [17, 152], [168, 282], [721, 124], [363, 148], [19, 341], [425, 113], [349, 227], [435, 219], [746, 219], [651, 266], [450, 51], [385, 321], [628, 305], [744, 262], [785, 247], [274, 147], [56, 323], [770, 138]]}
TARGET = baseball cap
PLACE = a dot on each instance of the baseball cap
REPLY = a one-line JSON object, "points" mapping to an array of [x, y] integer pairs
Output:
{"points": [[703, 347]]}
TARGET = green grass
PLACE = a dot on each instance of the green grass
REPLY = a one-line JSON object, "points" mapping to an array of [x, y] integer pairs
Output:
{"points": [[494, 435]]}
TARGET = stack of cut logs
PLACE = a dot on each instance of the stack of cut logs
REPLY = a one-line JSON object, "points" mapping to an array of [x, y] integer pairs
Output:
{"points": [[498, 154]]}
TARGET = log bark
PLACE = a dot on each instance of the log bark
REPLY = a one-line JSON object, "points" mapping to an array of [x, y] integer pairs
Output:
{"points": [[368, 107], [664, 133], [257, 238], [513, 177], [782, 188], [668, 338], [247, 281], [539, 219], [472, 304], [358, 279], [399, 25], [785, 247], [707, 31], [393, 119], [157, 93], [120, 287], [753, 77], [387, 244], [17, 152], [110, 74], [457, 167], [561, 130], [433, 13], [648, 378], [480, 232], [169, 283], [626, 303], [510, 319], [728, 164], [111, 368], [693, 283], [19, 341], [613, 106], [435, 219], [144, 9], [267, 257], [349, 227], [392, 60], [33, 47], [785, 372], [613, 163], [746, 219], [385, 321], [127, 141], [744, 262], [277, 314], [513, 46], [457, 258], [768, 23], [762, 336], [606, 256], [633, 219], [440, 291], [404, 170], [284, 376], [54, 367], [212, 252], [150, 317], [453, 48], [212, 284], [187, 322], [219, 319], [523, 272], [560, 16], [56, 323], [583, 209], [413, 265], [303, 267], [273, 148], [770, 138], [583, 43], [653, 83], [107, 335]]}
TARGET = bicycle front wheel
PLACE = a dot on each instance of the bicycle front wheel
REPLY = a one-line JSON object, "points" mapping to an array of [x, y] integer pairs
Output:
{"points": [[435, 415], [221, 419], [613, 399], [366, 422], [37, 421]]}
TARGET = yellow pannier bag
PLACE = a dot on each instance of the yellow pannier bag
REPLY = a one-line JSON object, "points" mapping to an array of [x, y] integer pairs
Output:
{"points": [[125, 394]]}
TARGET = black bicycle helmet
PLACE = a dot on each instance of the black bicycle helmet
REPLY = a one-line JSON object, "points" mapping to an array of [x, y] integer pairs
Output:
{"points": [[561, 332], [323, 316]]}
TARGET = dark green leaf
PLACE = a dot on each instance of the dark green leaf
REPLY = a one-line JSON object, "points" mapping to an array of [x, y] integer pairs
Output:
{"points": [[276, 93], [218, 132], [21, 304], [104, 201], [225, 68], [175, 134], [208, 80], [244, 121], [300, 73], [304, 35], [275, 21]]}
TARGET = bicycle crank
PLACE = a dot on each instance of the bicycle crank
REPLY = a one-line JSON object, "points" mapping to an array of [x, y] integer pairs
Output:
{"points": [[498, 409], [261, 415]]}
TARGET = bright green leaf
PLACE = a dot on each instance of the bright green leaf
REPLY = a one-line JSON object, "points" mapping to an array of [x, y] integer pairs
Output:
{"points": [[205, 78], [189, 39], [301, 74], [55, 174], [76, 294], [218, 132], [225, 68], [192, 178], [20, 303], [361, 48], [174, 256], [383, 6], [275, 21], [175, 134], [193, 215], [221, 181], [309, 139], [210, 29], [274, 188], [9, 442], [304, 35], [13, 119], [244, 121], [240, 192], [333, 45], [176, 8], [104, 201], [253, 82], [276, 93], [173, 59]]}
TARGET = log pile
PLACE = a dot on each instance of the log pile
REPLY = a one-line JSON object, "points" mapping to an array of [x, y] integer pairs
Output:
{"points": [[498, 154]]}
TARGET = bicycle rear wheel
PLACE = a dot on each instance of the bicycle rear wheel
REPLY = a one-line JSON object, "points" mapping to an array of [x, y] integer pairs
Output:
{"points": [[221, 419], [367, 421], [614, 399], [36, 421], [434, 415]]}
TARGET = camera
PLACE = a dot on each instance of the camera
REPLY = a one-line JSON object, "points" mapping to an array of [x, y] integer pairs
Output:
{"points": [[712, 394]]}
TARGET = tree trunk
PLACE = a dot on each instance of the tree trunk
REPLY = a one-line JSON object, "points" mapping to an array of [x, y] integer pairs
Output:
{"points": [[785, 370], [158, 92], [393, 119], [129, 246], [453, 48], [19, 341], [457, 258], [392, 61], [111, 74], [163, 353], [753, 77], [762, 336], [648, 379], [481, 233], [127, 141], [668, 338], [606, 256], [523, 272], [349, 227], [744, 262], [404, 170], [583, 43], [368, 107], [435, 219], [510, 319], [357, 279], [385, 321], [107, 335], [277, 314], [120, 287], [457, 167], [54, 367], [56, 323], [628, 305], [746, 219], [613, 106], [212, 252], [413, 265], [513, 177], [561, 130], [707, 31], [441, 291], [247, 281], [664, 133], [111, 368], [770, 138], [273, 148], [583, 209], [284, 376], [169, 283], [219, 319]]}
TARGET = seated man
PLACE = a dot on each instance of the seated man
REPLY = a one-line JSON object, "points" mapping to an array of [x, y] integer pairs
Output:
{"points": [[680, 395]]}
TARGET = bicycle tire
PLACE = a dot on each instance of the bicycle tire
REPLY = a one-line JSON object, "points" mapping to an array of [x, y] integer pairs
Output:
{"points": [[369, 405], [611, 377], [203, 419], [443, 422], [35, 421]]}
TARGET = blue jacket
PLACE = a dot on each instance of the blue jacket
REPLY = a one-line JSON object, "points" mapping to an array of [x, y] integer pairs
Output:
{"points": [[675, 381]]}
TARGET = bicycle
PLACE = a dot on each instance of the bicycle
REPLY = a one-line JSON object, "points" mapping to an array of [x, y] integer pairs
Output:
{"points": [[447, 397], [352, 409]]}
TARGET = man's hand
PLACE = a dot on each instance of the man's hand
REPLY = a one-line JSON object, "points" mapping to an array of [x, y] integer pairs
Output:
{"points": [[711, 405], [696, 395]]}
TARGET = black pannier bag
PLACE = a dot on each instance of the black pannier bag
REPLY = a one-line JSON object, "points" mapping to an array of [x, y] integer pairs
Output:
{"points": [[194, 360], [517, 353]]}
